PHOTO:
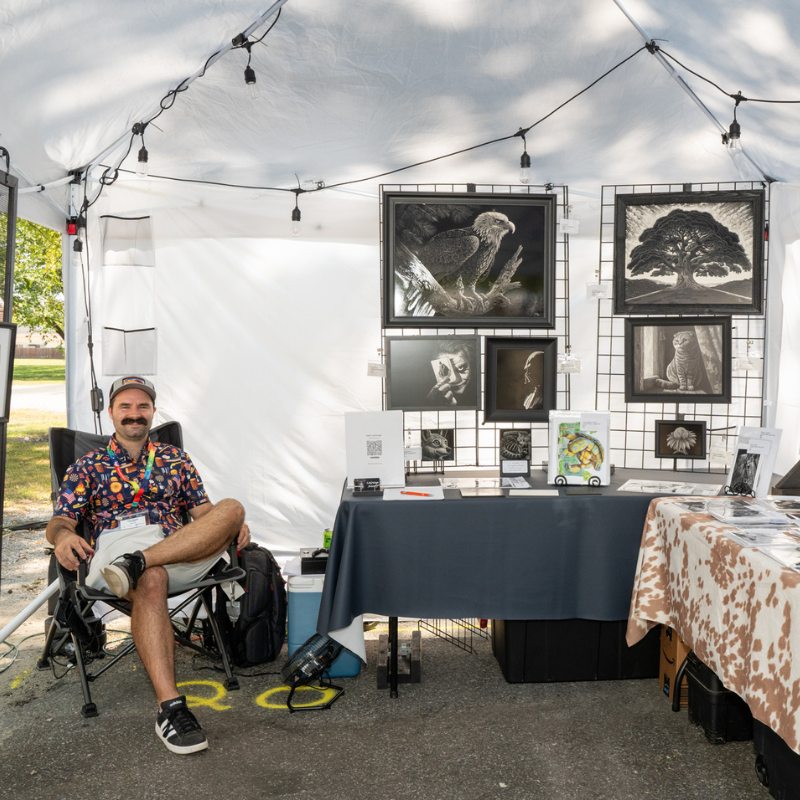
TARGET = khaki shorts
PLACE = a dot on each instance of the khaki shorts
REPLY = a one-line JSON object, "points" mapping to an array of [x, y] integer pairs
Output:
{"points": [[115, 543]]}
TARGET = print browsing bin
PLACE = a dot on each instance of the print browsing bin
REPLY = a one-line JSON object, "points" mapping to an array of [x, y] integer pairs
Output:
{"points": [[305, 594]]}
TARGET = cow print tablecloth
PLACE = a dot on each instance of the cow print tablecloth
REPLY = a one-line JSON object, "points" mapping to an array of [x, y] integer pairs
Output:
{"points": [[737, 608]]}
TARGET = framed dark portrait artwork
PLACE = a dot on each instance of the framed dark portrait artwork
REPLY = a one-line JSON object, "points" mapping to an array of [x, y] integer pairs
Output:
{"points": [[520, 379], [432, 373], [686, 360], [680, 438], [689, 252], [468, 260], [438, 444]]}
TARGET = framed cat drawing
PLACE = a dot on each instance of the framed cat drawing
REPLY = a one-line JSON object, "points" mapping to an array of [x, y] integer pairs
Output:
{"points": [[686, 360]]}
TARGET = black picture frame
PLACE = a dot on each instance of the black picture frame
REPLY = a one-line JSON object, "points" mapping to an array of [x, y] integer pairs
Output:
{"points": [[681, 438], [8, 337], [447, 255], [699, 373], [438, 444], [411, 375], [513, 370], [651, 236]]}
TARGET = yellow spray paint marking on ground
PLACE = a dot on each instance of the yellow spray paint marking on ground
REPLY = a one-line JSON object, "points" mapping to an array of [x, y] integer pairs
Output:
{"points": [[20, 679], [193, 701], [321, 697]]}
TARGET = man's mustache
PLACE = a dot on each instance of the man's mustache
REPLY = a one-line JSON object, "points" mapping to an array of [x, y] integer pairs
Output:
{"points": [[134, 421]]}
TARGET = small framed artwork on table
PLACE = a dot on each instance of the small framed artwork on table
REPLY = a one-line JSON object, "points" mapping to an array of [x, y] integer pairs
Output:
{"points": [[689, 252], [439, 444], [680, 438], [520, 379], [515, 451], [686, 360]]}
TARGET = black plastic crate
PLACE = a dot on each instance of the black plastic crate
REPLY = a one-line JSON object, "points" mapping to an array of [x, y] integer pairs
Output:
{"points": [[722, 714], [777, 765], [542, 651]]}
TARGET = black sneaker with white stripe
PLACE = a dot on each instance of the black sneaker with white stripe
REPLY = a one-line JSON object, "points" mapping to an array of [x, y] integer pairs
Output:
{"points": [[177, 727]]}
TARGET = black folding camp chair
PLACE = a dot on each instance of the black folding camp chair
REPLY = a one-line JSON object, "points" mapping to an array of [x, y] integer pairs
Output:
{"points": [[76, 629]]}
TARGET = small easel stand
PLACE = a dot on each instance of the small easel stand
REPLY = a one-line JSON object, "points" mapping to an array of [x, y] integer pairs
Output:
{"points": [[414, 468]]}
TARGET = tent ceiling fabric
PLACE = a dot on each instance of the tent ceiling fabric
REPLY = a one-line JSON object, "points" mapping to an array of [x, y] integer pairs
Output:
{"points": [[351, 88]]}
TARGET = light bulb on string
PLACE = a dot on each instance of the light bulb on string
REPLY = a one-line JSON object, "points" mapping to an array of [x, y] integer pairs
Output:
{"points": [[250, 74], [524, 163], [143, 156], [296, 216], [142, 166], [733, 138]]}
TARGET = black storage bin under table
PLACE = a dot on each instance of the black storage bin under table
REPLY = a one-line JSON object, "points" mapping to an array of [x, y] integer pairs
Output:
{"points": [[722, 714], [541, 651], [777, 765]]}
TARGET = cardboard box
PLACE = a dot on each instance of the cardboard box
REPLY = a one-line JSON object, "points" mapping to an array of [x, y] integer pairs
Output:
{"points": [[673, 653]]}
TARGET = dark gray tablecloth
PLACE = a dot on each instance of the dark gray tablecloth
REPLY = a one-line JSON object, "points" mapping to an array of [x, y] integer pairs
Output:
{"points": [[572, 556]]}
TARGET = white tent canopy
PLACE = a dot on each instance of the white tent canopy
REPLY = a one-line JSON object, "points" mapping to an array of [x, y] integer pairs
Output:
{"points": [[262, 340]]}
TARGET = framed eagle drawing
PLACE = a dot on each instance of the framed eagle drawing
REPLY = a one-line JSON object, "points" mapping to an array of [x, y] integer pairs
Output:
{"points": [[468, 260]]}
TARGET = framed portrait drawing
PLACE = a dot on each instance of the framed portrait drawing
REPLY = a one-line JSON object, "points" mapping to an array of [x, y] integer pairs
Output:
{"points": [[686, 360], [432, 373], [468, 260], [689, 252], [520, 379], [680, 438], [8, 336]]}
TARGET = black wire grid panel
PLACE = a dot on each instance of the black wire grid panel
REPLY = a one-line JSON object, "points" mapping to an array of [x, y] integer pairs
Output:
{"points": [[633, 425], [476, 441], [460, 632]]}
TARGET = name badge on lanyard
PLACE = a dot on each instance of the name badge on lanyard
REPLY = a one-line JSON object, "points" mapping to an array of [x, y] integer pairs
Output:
{"points": [[131, 521]]}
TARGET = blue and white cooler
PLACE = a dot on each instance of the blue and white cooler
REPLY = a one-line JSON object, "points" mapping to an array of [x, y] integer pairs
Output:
{"points": [[305, 595]]}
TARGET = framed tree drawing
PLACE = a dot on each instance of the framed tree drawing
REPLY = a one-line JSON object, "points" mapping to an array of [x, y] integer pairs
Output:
{"points": [[680, 438], [686, 360], [432, 373], [520, 379], [689, 252], [468, 260]]}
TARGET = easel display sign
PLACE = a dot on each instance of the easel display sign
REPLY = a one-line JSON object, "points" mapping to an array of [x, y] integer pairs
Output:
{"points": [[579, 448], [374, 447], [756, 451]]}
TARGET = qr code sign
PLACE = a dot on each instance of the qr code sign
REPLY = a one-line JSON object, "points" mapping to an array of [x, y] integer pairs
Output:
{"points": [[374, 448]]}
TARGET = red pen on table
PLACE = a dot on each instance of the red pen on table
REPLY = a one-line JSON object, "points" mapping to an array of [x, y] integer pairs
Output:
{"points": [[416, 494]]}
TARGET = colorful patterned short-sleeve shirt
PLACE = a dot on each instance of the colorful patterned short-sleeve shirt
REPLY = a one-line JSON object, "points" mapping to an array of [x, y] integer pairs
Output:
{"points": [[93, 492]]}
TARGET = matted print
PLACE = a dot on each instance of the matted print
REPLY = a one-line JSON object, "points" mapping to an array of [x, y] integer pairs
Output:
{"points": [[689, 252], [678, 360], [469, 260]]}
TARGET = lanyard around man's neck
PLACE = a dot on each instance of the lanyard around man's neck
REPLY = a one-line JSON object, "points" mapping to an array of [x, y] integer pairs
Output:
{"points": [[138, 488]]}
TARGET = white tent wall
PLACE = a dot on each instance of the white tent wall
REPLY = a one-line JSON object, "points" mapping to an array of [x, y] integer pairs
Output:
{"points": [[262, 345], [782, 393]]}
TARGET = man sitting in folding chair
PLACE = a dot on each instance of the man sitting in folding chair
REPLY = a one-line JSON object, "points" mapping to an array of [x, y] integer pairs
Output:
{"points": [[131, 495]]}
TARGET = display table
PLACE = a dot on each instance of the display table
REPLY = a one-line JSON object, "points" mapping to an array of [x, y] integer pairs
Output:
{"points": [[735, 607], [564, 557]]}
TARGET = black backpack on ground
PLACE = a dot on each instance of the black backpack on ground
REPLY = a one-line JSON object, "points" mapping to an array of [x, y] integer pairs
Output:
{"points": [[258, 633]]}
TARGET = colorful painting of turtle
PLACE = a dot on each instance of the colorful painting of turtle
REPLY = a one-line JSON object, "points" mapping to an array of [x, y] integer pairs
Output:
{"points": [[580, 455]]}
